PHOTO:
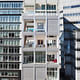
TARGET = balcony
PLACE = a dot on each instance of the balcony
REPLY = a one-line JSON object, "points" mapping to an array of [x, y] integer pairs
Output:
{"points": [[28, 43], [40, 31], [28, 31], [40, 47], [52, 44], [53, 48], [52, 59], [28, 57], [28, 27], [29, 46]]}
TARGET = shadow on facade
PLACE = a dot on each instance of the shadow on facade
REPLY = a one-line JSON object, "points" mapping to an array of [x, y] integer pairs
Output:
{"points": [[68, 51]]}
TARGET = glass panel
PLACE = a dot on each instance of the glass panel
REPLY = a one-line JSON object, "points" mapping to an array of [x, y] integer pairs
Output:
{"points": [[40, 57], [52, 73], [43, 7], [28, 57]]}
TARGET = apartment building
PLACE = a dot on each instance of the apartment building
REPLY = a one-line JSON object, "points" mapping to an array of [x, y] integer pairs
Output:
{"points": [[10, 39], [40, 40], [71, 14]]}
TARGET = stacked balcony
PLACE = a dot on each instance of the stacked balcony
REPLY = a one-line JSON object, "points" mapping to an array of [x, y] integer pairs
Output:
{"points": [[28, 28], [28, 43]]}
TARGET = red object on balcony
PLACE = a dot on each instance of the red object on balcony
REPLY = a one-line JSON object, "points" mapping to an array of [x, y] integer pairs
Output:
{"points": [[55, 60]]}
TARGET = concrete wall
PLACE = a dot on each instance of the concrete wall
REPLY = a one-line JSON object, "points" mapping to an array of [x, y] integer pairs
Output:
{"points": [[53, 25], [33, 72], [29, 2]]}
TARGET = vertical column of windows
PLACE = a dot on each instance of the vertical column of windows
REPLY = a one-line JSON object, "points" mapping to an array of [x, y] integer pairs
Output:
{"points": [[10, 4]]}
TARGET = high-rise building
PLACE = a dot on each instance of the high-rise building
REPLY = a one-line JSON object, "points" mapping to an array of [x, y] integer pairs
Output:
{"points": [[71, 14], [41, 40], [10, 39]]}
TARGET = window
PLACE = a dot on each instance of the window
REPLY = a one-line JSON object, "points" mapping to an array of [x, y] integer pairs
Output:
{"points": [[1, 34], [9, 26], [16, 50], [17, 34], [1, 49], [38, 7], [43, 7], [51, 7], [5, 50], [29, 43], [1, 58], [52, 73], [11, 35], [40, 27], [40, 57], [1, 27], [51, 43], [52, 57], [5, 65], [10, 4], [4, 73], [28, 57], [13, 58], [0, 65], [9, 18], [11, 50], [5, 58], [14, 66], [1, 41], [40, 43]]}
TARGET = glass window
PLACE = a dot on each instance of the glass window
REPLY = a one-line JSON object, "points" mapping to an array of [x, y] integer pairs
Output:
{"points": [[1, 41], [10, 4], [16, 50], [28, 57], [51, 7], [51, 43], [40, 57], [52, 57], [18, 26], [5, 50], [52, 73], [1, 34], [40, 43], [17, 34], [1, 58], [1, 27], [40, 26], [1, 49], [9, 18], [43, 7]]}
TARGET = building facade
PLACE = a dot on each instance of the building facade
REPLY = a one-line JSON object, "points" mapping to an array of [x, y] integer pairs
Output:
{"points": [[71, 14], [41, 44], [10, 39]]}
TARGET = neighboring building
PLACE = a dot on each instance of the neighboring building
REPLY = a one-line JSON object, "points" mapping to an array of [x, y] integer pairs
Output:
{"points": [[61, 38], [41, 40], [71, 14], [10, 36]]}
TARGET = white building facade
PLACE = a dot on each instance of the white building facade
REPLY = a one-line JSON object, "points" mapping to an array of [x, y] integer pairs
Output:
{"points": [[41, 33]]}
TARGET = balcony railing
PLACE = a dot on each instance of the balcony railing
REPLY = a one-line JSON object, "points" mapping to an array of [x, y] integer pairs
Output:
{"points": [[40, 30], [29, 45], [52, 57], [51, 45], [54, 61], [39, 46], [29, 30]]}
